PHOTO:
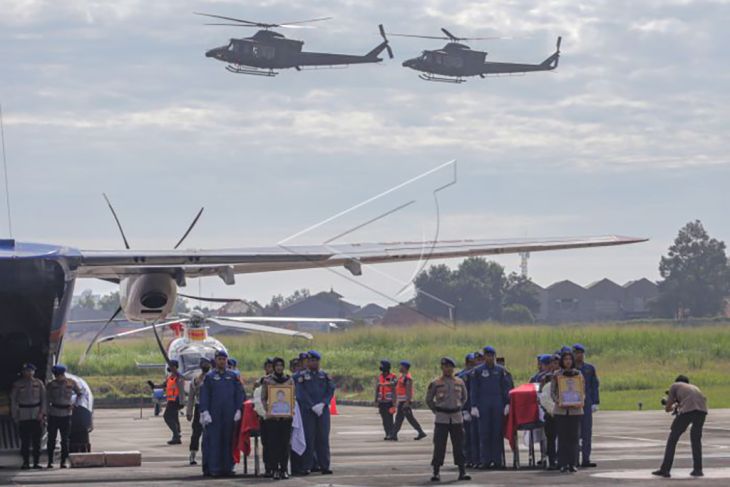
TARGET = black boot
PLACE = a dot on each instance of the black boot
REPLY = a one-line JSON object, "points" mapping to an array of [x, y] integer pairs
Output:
{"points": [[421, 435], [435, 477], [462, 473]]}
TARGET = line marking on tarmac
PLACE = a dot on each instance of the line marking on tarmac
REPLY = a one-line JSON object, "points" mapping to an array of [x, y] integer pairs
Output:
{"points": [[679, 474]]}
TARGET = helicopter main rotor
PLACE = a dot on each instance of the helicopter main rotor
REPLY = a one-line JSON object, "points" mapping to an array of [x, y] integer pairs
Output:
{"points": [[448, 36], [295, 24]]}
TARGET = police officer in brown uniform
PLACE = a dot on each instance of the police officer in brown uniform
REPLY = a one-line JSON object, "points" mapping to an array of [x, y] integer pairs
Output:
{"points": [[60, 408], [445, 397], [28, 408]]}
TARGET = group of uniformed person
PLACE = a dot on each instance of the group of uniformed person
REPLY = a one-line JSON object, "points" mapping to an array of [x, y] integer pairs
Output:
{"points": [[34, 404], [394, 397]]}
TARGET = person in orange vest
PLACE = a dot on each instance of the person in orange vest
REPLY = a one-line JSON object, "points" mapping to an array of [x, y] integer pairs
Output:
{"points": [[384, 392], [403, 400], [175, 393]]}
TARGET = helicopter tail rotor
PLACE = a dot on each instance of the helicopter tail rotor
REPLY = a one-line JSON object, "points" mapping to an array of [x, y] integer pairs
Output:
{"points": [[385, 40]]}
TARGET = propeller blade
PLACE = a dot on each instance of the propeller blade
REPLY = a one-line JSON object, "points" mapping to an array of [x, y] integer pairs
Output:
{"points": [[227, 18], [449, 34], [116, 219], [136, 330], [390, 51], [557, 45], [253, 327], [98, 334], [187, 232], [159, 344], [212, 300]]}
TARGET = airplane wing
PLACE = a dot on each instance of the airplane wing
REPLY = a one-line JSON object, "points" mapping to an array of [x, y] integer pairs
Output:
{"points": [[116, 264], [253, 327]]}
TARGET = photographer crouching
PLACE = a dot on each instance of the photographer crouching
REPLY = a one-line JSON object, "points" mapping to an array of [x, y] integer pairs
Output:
{"points": [[690, 406]]}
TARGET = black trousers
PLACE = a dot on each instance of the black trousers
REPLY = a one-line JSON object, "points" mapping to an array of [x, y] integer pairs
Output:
{"points": [[679, 426], [58, 426], [279, 433], [265, 432], [551, 439], [30, 434], [568, 429], [441, 433], [387, 417], [172, 418], [405, 412], [197, 429]]}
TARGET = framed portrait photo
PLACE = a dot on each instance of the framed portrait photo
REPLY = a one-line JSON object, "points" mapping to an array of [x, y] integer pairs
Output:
{"points": [[280, 400], [571, 391]]}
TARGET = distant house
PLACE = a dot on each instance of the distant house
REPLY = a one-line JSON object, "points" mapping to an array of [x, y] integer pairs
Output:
{"points": [[370, 314], [327, 304], [240, 308], [607, 299], [403, 315], [638, 297], [566, 302]]}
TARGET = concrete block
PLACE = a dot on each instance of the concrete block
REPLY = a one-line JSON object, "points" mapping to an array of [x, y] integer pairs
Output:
{"points": [[123, 458], [86, 460]]}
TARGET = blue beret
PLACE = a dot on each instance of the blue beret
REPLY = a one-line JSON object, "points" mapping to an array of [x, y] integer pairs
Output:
{"points": [[579, 348], [58, 369], [303, 356], [564, 349], [405, 363], [478, 354], [221, 353], [232, 362], [448, 361], [385, 363], [314, 354], [174, 363], [490, 349], [545, 358], [28, 366], [469, 356]]}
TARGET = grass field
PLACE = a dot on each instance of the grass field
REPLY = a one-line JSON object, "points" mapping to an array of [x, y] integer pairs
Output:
{"points": [[635, 362]]}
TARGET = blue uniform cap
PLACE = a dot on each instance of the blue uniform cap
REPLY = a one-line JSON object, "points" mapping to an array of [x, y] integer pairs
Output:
{"points": [[579, 348], [490, 349], [28, 366], [478, 354], [448, 361], [303, 356], [405, 363], [469, 357], [174, 363], [385, 364], [545, 358], [314, 354], [564, 349], [58, 369], [232, 362], [221, 353]]}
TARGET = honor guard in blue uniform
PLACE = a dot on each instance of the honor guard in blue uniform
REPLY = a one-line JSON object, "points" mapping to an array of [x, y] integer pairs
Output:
{"points": [[490, 387], [221, 401], [590, 406], [543, 362], [314, 391], [464, 374]]}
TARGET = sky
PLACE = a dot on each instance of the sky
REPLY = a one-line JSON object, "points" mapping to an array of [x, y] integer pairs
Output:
{"points": [[628, 136]]}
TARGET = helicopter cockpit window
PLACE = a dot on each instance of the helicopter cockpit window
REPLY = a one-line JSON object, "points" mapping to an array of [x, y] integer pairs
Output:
{"points": [[189, 361]]}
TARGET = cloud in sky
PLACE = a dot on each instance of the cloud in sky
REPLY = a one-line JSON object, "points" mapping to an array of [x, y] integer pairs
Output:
{"points": [[627, 136]]}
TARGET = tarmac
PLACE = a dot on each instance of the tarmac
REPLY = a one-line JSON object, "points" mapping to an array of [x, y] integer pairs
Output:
{"points": [[627, 446]]}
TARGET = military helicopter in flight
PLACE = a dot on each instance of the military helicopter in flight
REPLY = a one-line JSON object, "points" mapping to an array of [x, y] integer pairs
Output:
{"points": [[455, 61], [267, 51]]}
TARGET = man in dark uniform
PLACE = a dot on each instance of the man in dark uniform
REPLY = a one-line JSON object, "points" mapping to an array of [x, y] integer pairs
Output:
{"points": [[490, 403], [446, 396], [314, 391], [221, 401], [58, 395], [384, 392], [192, 413], [590, 406], [28, 409]]}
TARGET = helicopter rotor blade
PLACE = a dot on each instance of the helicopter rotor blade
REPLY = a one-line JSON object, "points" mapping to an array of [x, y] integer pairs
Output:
{"points": [[450, 35], [319, 19], [385, 39], [212, 300], [187, 232], [235, 25], [97, 335], [442, 38], [228, 18], [557, 44]]}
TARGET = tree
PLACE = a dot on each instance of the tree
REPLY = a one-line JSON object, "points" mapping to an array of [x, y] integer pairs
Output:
{"points": [[517, 313], [279, 301], [87, 300], [479, 286], [520, 290], [435, 292], [109, 302], [695, 273]]}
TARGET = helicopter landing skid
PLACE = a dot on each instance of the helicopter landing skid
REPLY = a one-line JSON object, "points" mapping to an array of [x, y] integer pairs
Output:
{"points": [[439, 79], [237, 69]]}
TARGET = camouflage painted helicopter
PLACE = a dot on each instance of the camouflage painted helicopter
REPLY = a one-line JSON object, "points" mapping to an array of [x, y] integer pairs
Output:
{"points": [[455, 61], [266, 51]]}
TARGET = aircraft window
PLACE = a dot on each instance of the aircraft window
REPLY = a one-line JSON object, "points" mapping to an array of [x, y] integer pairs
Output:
{"points": [[189, 361], [263, 52], [230, 47]]}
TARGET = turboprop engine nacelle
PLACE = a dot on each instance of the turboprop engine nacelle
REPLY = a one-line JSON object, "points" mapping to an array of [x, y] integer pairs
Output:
{"points": [[147, 297]]}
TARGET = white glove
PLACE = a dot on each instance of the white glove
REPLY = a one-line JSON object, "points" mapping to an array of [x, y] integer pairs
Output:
{"points": [[205, 418], [237, 416], [318, 408], [466, 416], [506, 410], [474, 412], [594, 408]]}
